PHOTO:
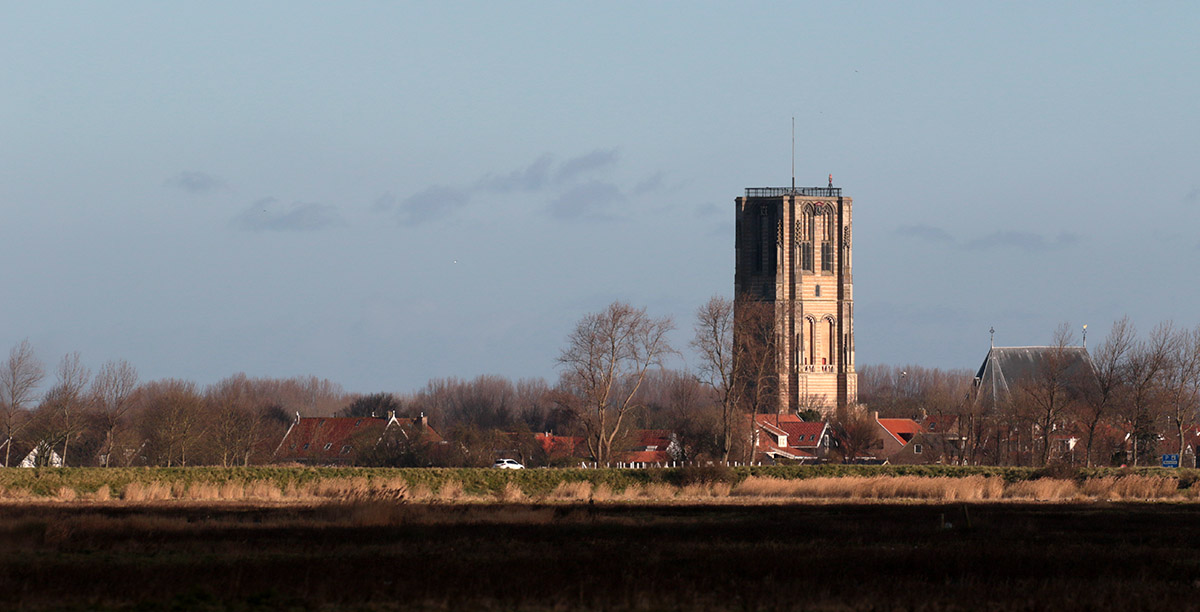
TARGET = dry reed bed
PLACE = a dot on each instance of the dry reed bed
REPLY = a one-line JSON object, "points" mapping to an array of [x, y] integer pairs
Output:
{"points": [[971, 488], [865, 488]]}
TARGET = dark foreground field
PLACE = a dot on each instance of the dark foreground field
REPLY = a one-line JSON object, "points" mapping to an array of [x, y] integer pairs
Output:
{"points": [[381, 556]]}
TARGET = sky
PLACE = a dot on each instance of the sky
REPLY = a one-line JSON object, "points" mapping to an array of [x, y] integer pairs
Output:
{"points": [[385, 193]]}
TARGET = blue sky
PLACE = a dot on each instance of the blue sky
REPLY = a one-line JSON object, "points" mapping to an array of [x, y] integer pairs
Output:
{"points": [[384, 193]]}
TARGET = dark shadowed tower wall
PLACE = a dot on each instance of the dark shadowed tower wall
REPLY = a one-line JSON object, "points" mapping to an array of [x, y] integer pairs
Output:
{"points": [[793, 251]]}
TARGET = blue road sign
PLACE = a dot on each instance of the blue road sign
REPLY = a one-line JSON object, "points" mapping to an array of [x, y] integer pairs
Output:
{"points": [[1170, 461]]}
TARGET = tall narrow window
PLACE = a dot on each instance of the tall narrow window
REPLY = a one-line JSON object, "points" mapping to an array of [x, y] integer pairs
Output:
{"points": [[827, 238], [812, 341], [806, 238], [832, 340]]}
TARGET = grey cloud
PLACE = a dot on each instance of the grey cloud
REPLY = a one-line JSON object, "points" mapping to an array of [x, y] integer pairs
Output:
{"points": [[1192, 196], [384, 202], [531, 178], [651, 183], [196, 183], [587, 201], [1023, 240], [708, 210], [269, 215], [926, 233], [587, 162], [432, 204], [582, 200]]}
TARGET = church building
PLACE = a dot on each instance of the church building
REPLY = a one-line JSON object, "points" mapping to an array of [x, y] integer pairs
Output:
{"points": [[793, 253]]}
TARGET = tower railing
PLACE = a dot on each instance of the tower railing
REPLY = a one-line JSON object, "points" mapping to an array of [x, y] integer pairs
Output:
{"points": [[775, 192]]}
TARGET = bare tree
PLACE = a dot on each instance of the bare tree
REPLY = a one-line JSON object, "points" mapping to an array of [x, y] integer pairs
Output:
{"points": [[66, 401], [171, 421], [857, 433], [112, 396], [1099, 398], [604, 364], [1046, 395], [720, 357], [1181, 384], [755, 369], [234, 423], [1143, 373], [19, 379]]}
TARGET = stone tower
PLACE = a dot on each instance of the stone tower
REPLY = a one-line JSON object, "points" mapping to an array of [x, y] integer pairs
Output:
{"points": [[793, 252]]}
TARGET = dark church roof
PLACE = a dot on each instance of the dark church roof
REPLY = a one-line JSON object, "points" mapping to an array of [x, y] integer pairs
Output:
{"points": [[1009, 365]]}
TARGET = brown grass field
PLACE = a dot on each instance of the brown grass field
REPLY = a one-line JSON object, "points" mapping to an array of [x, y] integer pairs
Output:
{"points": [[705, 550]]}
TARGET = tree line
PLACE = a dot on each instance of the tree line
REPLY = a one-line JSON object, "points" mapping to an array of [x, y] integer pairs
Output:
{"points": [[614, 381], [1137, 397]]}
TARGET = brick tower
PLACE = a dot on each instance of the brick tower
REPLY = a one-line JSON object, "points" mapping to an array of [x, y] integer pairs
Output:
{"points": [[793, 252]]}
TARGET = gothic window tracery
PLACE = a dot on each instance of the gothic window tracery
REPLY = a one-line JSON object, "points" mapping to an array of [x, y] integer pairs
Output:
{"points": [[807, 218], [827, 239]]}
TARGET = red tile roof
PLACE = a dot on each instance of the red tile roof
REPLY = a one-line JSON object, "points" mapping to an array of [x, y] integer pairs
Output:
{"points": [[659, 439], [797, 430], [337, 439], [902, 430], [940, 423], [645, 457], [560, 446], [804, 434], [329, 439]]}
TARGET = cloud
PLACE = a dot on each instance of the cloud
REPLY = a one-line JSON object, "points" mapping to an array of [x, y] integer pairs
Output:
{"points": [[1192, 196], [431, 204], [385, 202], [926, 233], [530, 178], [649, 184], [708, 210], [587, 201], [268, 214], [196, 183], [581, 200], [1028, 241], [585, 163]]}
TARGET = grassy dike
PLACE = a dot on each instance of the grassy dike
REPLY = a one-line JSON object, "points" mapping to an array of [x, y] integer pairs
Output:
{"points": [[106, 483]]}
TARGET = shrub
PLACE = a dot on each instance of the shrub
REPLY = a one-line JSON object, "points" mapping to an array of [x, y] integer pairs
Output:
{"points": [[510, 493], [705, 474], [579, 490]]}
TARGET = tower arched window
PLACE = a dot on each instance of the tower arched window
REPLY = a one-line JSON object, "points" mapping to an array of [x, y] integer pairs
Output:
{"points": [[812, 340], [805, 239], [832, 339], [827, 238]]}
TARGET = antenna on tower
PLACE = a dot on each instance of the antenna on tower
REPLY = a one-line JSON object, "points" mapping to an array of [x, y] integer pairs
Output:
{"points": [[793, 153]]}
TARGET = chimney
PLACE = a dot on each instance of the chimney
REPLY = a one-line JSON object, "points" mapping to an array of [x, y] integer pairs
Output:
{"points": [[297, 416], [875, 415], [422, 421], [391, 415]]}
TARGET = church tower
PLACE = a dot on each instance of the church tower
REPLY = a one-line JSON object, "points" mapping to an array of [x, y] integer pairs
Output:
{"points": [[793, 254]]}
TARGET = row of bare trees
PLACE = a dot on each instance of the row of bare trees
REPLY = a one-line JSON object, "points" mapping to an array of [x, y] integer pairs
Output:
{"points": [[110, 418], [1134, 396], [1130, 398]]}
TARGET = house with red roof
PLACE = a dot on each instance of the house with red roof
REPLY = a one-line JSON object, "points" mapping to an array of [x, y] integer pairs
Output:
{"points": [[340, 440], [906, 441], [788, 437], [651, 447], [561, 449]]}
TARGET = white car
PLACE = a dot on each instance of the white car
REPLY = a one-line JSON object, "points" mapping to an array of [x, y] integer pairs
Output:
{"points": [[507, 464]]}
